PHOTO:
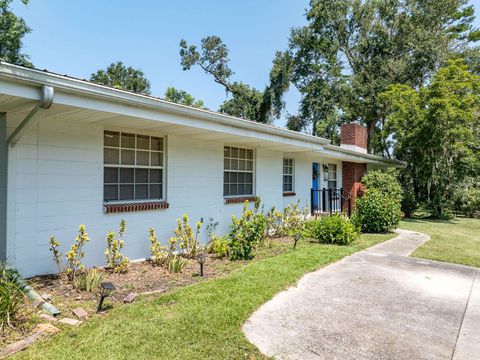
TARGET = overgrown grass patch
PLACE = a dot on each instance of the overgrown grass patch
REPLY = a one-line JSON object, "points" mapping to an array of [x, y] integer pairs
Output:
{"points": [[455, 241], [198, 321]]}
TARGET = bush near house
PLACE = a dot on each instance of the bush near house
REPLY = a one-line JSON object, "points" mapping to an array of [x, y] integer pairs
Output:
{"points": [[334, 229], [379, 209], [246, 232]]}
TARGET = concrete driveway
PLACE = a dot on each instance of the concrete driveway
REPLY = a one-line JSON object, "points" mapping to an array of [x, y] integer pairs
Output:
{"points": [[375, 304]]}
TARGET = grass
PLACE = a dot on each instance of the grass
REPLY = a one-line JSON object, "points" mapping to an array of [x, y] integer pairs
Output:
{"points": [[201, 321], [456, 241]]}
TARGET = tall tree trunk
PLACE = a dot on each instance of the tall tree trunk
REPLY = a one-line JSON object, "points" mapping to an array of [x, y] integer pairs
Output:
{"points": [[371, 137]]}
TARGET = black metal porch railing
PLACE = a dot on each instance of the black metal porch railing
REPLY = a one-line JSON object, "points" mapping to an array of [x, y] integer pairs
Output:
{"points": [[328, 201]]}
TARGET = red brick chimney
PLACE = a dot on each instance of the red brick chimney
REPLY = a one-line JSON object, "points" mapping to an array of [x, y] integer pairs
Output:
{"points": [[353, 137]]}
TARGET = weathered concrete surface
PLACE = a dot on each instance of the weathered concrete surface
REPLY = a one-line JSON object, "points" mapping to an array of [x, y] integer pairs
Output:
{"points": [[375, 304]]}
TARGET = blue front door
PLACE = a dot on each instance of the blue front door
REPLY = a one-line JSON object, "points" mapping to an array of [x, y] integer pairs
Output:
{"points": [[315, 184]]}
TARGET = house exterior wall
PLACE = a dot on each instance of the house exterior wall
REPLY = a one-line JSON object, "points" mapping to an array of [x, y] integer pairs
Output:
{"points": [[56, 183], [3, 187]]}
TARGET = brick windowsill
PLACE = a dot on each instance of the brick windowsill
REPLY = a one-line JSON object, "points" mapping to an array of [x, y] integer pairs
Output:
{"points": [[289, 193], [138, 206], [239, 200]]}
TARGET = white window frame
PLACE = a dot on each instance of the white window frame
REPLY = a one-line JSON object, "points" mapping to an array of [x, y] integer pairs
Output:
{"points": [[292, 175], [253, 171], [330, 178], [163, 167]]}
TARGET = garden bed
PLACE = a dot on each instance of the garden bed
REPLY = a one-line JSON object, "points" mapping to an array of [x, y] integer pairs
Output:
{"points": [[141, 278]]}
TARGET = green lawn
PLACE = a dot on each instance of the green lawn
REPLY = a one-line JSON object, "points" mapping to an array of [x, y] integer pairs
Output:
{"points": [[201, 321], [456, 241]]}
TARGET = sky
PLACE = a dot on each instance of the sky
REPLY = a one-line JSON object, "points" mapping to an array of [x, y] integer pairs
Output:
{"points": [[79, 37]]}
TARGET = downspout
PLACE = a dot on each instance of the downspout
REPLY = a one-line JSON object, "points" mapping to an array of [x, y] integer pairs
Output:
{"points": [[45, 102]]}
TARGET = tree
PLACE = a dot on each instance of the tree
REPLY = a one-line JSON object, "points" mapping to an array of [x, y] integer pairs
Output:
{"points": [[182, 97], [435, 132], [12, 31], [246, 101], [119, 76], [351, 50]]}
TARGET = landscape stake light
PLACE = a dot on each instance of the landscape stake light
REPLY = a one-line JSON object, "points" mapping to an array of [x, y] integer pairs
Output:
{"points": [[201, 260], [106, 289], [296, 237]]}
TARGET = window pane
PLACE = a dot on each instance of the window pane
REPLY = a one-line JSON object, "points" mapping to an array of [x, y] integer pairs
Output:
{"points": [[141, 176], [242, 154], [126, 175], [226, 177], [110, 192], [241, 178], [234, 153], [157, 144], [248, 177], [126, 192], [241, 165], [249, 165], [155, 175], [128, 141], [110, 175], [143, 142], [226, 164], [141, 192], [234, 164], [250, 154], [226, 191], [155, 191], [157, 159], [226, 151], [111, 138], [143, 158], [128, 157], [110, 156], [241, 189], [233, 189], [249, 189], [233, 178]]}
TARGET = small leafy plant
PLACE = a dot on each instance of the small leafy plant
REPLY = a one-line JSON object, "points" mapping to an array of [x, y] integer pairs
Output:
{"points": [[76, 254], [274, 220], [90, 280], [186, 237], [176, 264], [158, 253], [246, 232], [57, 255], [115, 260], [11, 295], [219, 246]]}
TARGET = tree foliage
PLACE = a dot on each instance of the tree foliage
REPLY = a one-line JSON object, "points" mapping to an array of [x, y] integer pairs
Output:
{"points": [[436, 129], [119, 76], [351, 50], [246, 102], [182, 97], [12, 31]]}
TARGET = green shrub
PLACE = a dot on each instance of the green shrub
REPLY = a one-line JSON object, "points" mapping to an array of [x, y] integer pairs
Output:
{"points": [[176, 264], [76, 254], [11, 295], [384, 181], [379, 209], [90, 280], [246, 232], [186, 238], [468, 202], [158, 253], [334, 229], [115, 260], [377, 212], [218, 246]]}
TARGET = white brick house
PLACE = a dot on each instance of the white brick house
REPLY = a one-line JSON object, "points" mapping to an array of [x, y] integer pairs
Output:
{"points": [[73, 152]]}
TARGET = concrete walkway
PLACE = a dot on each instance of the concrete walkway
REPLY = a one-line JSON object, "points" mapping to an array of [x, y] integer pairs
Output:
{"points": [[375, 304]]}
